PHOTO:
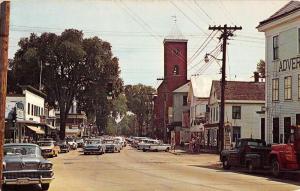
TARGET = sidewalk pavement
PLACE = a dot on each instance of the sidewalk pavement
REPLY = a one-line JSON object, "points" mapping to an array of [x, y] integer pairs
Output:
{"points": [[181, 151]]}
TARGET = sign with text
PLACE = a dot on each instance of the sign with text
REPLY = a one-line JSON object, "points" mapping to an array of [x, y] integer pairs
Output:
{"points": [[289, 64]]}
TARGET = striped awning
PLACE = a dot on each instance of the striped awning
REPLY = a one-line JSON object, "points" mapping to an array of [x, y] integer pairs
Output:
{"points": [[37, 130]]}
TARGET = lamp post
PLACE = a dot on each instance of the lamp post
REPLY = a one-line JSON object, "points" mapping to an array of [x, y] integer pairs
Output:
{"points": [[222, 106]]}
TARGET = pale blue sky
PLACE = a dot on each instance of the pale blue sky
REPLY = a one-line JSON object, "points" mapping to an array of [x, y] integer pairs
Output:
{"points": [[136, 30]]}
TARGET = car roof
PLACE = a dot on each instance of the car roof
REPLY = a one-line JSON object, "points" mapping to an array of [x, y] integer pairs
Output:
{"points": [[20, 144]]}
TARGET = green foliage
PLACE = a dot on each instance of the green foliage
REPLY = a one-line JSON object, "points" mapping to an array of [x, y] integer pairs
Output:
{"points": [[139, 101], [72, 67], [261, 68]]}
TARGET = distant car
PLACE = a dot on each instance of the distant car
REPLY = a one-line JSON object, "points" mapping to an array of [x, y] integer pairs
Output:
{"points": [[121, 140], [111, 146], [79, 142], [49, 148], [145, 145], [23, 164], [72, 143], [94, 146], [160, 147], [64, 146]]}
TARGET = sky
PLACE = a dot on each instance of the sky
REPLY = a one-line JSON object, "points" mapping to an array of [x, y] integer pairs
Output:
{"points": [[136, 30]]}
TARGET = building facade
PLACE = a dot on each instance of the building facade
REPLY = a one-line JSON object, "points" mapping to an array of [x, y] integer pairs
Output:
{"points": [[282, 34], [243, 103], [175, 75]]}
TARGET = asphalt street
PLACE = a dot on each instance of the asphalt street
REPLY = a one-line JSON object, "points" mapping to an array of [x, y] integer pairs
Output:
{"points": [[133, 170]]}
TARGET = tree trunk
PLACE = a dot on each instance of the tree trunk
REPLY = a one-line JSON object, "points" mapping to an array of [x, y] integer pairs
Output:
{"points": [[63, 118]]}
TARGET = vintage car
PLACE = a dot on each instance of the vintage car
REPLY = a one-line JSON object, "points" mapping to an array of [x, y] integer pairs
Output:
{"points": [[111, 145], [79, 142], [64, 146], [49, 148], [145, 145], [23, 164], [94, 146], [72, 143], [159, 147], [248, 153]]}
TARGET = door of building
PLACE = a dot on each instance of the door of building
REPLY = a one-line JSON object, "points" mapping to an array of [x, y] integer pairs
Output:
{"points": [[276, 130]]}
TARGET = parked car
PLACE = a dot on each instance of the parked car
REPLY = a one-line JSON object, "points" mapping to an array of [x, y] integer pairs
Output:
{"points": [[145, 145], [121, 140], [160, 147], [24, 164], [79, 142], [49, 148], [111, 146], [64, 146], [248, 153], [94, 146], [72, 143]]}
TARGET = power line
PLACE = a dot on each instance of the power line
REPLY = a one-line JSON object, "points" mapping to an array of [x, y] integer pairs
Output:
{"points": [[203, 11]]}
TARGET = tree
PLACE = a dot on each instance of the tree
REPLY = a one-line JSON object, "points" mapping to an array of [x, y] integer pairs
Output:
{"points": [[72, 67], [139, 102], [261, 68]]}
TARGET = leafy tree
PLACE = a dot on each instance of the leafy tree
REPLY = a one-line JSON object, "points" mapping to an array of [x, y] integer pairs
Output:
{"points": [[72, 67], [261, 68], [139, 102]]}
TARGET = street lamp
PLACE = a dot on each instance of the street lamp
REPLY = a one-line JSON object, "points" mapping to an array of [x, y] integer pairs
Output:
{"points": [[206, 59]]}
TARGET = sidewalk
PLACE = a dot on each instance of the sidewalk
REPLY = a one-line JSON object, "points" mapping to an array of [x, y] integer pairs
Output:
{"points": [[181, 150]]}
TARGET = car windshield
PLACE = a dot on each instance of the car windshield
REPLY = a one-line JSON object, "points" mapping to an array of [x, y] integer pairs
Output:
{"points": [[21, 150], [94, 142], [255, 143], [45, 144], [108, 141]]}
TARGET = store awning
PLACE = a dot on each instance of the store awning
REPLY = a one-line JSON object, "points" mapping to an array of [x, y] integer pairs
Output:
{"points": [[36, 129], [50, 126]]}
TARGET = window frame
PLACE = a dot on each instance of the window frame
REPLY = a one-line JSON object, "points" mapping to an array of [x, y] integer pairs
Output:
{"points": [[275, 89], [298, 86], [236, 112], [275, 47], [184, 100], [288, 88], [175, 71]]}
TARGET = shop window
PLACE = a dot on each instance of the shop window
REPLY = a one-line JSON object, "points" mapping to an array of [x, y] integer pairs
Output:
{"points": [[288, 87], [236, 112], [275, 47], [236, 133], [32, 110], [275, 89]]}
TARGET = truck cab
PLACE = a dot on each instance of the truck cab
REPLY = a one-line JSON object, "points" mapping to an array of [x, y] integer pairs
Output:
{"points": [[248, 152], [286, 157]]}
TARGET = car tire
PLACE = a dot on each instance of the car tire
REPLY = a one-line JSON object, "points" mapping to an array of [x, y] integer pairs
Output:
{"points": [[225, 164], [275, 168], [167, 150], [45, 186], [250, 167], [144, 150], [85, 153]]}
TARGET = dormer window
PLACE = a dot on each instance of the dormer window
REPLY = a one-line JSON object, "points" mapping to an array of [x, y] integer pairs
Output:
{"points": [[176, 70]]}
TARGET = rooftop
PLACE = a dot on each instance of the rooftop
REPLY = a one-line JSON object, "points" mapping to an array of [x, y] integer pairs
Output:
{"points": [[175, 34], [289, 8], [240, 90]]}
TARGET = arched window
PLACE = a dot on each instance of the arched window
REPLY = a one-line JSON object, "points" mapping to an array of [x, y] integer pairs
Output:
{"points": [[176, 70]]}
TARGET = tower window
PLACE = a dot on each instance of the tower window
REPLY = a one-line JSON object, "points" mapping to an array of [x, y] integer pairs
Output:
{"points": [[176, 70]]}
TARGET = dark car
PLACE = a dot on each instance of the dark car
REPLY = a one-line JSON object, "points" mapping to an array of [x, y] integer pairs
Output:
{"points": [[64, 146], [24, 164], [249, 153]]}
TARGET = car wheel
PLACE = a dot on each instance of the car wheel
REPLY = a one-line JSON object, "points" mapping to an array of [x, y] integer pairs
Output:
{"points": [[167, 150], [275, 168], [85, 153], [45, 186], [250, 167], [225, 163], [144, 150]]}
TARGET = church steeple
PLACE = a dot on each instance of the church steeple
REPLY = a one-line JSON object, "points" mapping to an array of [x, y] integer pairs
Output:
{"points": [[175, 33]]}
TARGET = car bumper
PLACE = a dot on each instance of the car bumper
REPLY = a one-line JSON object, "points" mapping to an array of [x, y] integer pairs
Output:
{"points": [[110, 150], [26, 181], [92, 151]]}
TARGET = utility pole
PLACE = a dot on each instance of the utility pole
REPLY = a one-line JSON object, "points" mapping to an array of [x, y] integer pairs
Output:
{"points": [[227, 31], [4, 32]]}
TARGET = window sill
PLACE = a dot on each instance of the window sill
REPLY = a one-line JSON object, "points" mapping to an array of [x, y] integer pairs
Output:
{"points": [[275, 60]]}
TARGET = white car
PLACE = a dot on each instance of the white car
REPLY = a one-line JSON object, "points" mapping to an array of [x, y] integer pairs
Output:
{"points": [[145, 145], [160, 147], [73, 144]]}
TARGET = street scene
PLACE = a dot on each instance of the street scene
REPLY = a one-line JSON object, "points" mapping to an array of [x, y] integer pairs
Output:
{"points": [[149, 95]]}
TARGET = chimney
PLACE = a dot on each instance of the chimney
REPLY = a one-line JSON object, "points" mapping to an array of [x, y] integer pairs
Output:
{"points": [[256, 76]]}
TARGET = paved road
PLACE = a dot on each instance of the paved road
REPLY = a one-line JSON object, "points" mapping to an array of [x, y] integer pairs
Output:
{"points": [[133, 170]]}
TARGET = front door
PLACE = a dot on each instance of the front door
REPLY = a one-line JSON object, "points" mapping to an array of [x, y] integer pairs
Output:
{"points": [[276, 130], [287, 129]]}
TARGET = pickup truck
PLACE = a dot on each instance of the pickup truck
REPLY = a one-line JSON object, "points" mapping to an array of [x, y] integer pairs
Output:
{"points": [[160, 147], [248, 153]]}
